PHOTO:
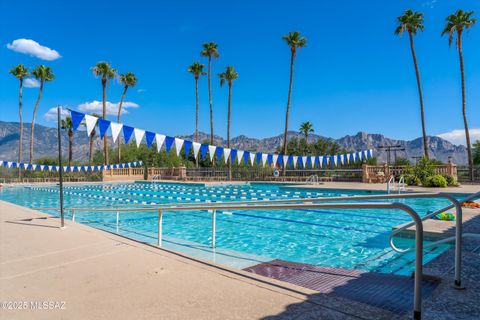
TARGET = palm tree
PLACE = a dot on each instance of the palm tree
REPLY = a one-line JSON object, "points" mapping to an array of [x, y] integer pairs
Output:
{"points": [[228, 76], [20, 72], [210, 50], [197, 70], [68, 125], [91, 140], [128, 80], [412, 22], [306, 128], [294, 41], [42, 74], [105, 71], [457, 23]]}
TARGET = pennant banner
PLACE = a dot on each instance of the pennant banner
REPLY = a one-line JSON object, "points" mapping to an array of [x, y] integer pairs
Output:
{"points": [[40, 167], [218, 152]]}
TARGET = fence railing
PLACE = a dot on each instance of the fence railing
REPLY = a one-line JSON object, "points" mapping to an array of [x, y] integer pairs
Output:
{"points": [[463, 173], [382, 173], [267, 174]]}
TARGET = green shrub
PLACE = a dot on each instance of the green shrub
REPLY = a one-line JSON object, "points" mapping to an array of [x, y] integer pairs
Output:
{"points": [[451, 181], [412, 180], [424, 168], [435, 181]]}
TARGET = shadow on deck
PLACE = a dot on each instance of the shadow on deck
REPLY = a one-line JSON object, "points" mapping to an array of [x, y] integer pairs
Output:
{"points": [[386, 291]]}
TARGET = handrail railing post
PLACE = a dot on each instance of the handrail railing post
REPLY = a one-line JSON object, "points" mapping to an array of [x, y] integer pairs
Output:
{"points": [[417, 293], [214, 223], [458, 241], [73, 215], [160, 225]]}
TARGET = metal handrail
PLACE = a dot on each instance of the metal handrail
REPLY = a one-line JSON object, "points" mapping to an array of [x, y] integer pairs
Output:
{"points": [[389, 205], [312, 179], [390, 181], [247, 204], [401, 183]]}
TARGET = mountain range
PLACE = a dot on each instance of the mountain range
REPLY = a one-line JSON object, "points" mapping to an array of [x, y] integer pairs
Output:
{"points": [[46, 142]]}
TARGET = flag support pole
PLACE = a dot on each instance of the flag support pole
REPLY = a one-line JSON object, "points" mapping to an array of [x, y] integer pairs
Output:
{"points": [[60, 168]]}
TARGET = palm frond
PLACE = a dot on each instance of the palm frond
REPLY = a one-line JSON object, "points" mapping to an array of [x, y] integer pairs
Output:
{"points": [[456, 23], [19, 71]]}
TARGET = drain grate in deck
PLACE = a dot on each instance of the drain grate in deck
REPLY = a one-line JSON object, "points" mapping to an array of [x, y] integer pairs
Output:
{"points": [[387, 291]]}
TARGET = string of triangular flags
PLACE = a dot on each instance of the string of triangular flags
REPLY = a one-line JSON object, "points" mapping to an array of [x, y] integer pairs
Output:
{"points": [[200, 149], [41, 167]]}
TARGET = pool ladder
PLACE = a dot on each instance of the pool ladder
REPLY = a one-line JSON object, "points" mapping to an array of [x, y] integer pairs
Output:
{"points": [[313, 179], [400, 184]]}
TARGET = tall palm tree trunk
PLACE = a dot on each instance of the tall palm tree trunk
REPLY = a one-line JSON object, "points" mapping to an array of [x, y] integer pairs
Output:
{"points": [[420, 95], [20, 105], [306, 140], [228, 127], [105, 142], [196, 116], [292, 59], [90, 153], [464, 106], [118, 119], [32, 127], [210, 99], [70, 147]]}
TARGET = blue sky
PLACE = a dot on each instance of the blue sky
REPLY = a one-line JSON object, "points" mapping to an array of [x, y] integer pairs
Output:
{"points": [[354, 75]]}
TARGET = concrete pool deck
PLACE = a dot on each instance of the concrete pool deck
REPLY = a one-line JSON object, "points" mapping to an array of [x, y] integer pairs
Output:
{"points": [[465, 188], [103, 276]]}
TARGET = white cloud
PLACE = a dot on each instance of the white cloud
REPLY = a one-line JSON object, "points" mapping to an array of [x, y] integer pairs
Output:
{"points": [[112, 108], [31, 83], [457, 136], [51, 114], [430, 4], [33, 48]]}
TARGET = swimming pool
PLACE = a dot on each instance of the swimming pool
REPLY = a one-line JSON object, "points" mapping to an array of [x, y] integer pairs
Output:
{"points": [[355, 239]]}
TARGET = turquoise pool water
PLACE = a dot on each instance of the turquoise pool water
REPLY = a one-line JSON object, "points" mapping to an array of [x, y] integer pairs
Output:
{"points": [[337, 238]]}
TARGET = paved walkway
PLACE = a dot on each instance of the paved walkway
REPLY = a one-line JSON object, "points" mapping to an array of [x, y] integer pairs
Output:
{"points": [[466, 188], [103, 276]]}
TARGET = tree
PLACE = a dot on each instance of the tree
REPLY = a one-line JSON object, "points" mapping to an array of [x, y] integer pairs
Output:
{"points": [[128, 80], [106, 72], [197, 70], [210, 50], [228, 76], [20, 72], [42, 74], [476, 152], [296, 147], [457, 23], [294, 41], [412, 22], [306, 128], [67, 124]]}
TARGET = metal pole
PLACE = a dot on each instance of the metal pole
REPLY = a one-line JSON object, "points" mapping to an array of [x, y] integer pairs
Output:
{"points": [[160, 222], [417, 294], [73, 215], [458, 243], [214, 220], [60, 169]]}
